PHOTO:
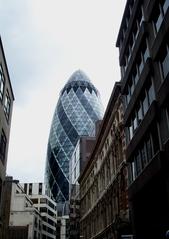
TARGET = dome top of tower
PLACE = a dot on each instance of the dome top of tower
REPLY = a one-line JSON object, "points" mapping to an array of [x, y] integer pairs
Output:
{"points": [[79, 79], [79, 75]]}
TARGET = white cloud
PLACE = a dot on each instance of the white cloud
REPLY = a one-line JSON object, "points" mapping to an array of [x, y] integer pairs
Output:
{"points": [[45, 41]]}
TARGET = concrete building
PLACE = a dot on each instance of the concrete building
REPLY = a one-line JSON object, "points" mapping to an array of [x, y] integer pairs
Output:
{"points": [[77, 163], [45, 205], [103, 182], [6, 104], [22, 219], [144, 60]]}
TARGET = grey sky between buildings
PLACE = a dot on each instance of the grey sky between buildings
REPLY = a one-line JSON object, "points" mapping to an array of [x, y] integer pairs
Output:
{"points": [[45, 41]]}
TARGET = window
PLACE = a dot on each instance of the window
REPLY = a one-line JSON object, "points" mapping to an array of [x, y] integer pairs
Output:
{"points": [[140, 17], [125, 64], [40, 188], [155, 139], [25, 188], [51, 213], [133, 164], [51, 231], [130, 173], [139, 113], [7, 105], [44, 218], [131, 131], [140, 63], [150, 93], [135, 31], [128, 55], [75, 173], [137, 70], [127, 18], [135, 75], [158, 17], [138, 162], [2, 83], [131, 43], [143, 152], [127, 135], [44, 227], [51, 205], [128, 95], [164, 130], [121, 41], [124, 30], [135, 123], [122, 71], [43, 200], [30, 189], [165, 5], [131, 85], [141, 109], [165, 61], [159, 13], [43, 209], [3, 143], [149, 149], [141, 157], [52, 223], [34, 200], [145, 51], [36, 222], [145, 103]]}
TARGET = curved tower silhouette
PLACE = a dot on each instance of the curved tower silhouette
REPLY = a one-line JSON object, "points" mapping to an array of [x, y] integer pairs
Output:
{"points": [[77, 110]]}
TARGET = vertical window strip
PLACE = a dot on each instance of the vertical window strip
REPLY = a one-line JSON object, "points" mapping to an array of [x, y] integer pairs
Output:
{"points": [[2, 82], [7, 104]]}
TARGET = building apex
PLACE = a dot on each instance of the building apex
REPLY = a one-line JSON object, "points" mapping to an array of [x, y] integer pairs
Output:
{"points": [[78, 75]]}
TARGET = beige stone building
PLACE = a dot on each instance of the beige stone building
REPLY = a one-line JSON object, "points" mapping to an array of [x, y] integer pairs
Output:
{"points": [[103, 183]]}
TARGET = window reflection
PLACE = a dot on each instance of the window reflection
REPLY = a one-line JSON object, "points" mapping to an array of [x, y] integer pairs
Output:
{"points": [[141, 108]]}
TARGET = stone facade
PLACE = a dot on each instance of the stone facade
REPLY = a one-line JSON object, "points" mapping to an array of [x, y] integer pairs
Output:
{"points": [[103, 183]]}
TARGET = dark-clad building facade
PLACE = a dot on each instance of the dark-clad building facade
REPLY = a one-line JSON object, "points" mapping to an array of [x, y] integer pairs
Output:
{"points": [[6, 104], [103, 183], [143, 43]]}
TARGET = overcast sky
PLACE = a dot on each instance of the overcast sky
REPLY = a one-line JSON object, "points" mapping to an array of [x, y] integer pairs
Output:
{"points": [[45, 41]]}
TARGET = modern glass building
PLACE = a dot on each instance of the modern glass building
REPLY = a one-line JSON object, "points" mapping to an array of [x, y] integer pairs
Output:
{"points": [[77, 110]]}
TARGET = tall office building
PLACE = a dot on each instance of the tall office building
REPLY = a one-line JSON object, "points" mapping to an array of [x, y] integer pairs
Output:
{"points": [[77, 110], [143, 43]]}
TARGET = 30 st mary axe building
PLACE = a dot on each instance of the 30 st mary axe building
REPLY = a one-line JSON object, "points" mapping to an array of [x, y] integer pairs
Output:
{"points": [[77, 110]]}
